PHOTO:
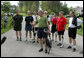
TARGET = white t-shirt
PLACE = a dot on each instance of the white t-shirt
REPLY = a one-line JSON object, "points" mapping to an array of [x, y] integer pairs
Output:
{"points": [[73, 26], [34, 17]]}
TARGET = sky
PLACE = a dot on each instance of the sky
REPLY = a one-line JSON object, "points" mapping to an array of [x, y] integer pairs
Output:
{"points": [[69, 3]]}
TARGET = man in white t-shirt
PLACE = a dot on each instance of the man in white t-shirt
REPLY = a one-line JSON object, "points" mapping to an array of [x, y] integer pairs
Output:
{"points": [[73, 30]]}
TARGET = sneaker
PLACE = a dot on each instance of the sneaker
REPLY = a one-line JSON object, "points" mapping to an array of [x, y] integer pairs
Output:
{"points": [[62, 46], [41, 50], [45, 50], [37, 42], [33, 41], [20, 39], [69, 47], [59, 44], [74, 49]]}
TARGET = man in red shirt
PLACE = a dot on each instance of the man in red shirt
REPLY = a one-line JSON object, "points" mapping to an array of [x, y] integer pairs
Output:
{"points": [[61, 23], [53, 28]]}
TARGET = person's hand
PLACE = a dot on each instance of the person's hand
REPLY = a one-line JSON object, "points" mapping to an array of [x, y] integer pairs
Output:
{"points": [[32, 23]]}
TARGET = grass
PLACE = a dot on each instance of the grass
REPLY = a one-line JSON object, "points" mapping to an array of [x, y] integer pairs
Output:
{"points": [[3, 30], [79, 31]]}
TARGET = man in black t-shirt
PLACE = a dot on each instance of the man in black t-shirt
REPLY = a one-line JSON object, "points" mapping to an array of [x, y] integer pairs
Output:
{"points": [[18, 24], [28, 26]]}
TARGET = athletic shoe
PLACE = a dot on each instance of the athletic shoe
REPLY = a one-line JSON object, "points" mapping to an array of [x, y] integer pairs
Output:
{"points": [[45, 50], [62, 46], [69, 47], [41, 50], [17, 39], [33, 41], [74, 49], [20, 39], [59, 44]]}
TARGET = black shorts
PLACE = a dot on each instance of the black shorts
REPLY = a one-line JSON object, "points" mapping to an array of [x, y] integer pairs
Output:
{"points": [[53, 28], [41, 33], [18, 28], [61, 32], [36, 28], [72, 32]]}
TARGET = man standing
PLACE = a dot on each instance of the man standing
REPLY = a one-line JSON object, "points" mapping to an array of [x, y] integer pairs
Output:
{"points": [[5, 19], [28, 26], [53, 28], [72, 31], [61, 24], [43, 27], [18, 24]]}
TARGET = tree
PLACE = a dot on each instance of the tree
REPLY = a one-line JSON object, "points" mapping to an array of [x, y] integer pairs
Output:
{"points": [[5, 6], [53, 6], [28, 5], [65, 9]]}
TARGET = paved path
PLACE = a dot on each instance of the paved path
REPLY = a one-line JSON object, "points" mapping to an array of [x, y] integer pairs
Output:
{"points": [[13, 48]]}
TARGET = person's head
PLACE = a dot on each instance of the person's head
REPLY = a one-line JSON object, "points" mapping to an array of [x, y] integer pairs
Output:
{"points": [[71, 13], [55, 14], [40, 12], [34, 13], [45, 12], [61, 13], [17, 12], [28, 12]]}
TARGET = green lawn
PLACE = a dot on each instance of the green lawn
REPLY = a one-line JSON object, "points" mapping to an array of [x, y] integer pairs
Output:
{"points": [[8, 25], [79, 31]]}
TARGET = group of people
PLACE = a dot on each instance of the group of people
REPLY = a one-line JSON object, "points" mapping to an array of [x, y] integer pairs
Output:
{"points": [[40, 25]]}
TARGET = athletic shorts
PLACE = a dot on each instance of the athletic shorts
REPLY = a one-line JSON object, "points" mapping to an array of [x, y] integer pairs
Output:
{"points": [[61, 32], [72, 32], [41, 33], [18, 28], [53, 28], [28, 28]]}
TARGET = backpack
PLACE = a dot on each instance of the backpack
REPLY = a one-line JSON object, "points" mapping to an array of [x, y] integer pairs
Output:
{"points": [[75, 22]]}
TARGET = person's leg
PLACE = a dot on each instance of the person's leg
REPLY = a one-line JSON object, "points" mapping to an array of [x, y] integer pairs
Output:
{"points": [[74, 45], [30, 34], [52, 36], [17, 35], [26, 35], [59, 44], [70, 38], [55, 37], [41, 44], [20, 34]]}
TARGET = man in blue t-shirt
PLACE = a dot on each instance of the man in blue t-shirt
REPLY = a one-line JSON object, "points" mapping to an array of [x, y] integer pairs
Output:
{"points": [[28, 26]]}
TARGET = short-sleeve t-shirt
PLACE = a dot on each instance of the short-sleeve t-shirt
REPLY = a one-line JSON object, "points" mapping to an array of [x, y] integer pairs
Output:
{"points": [[60, 23], [54, 20], [28, 19], [42, 22], [18, 20]]}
